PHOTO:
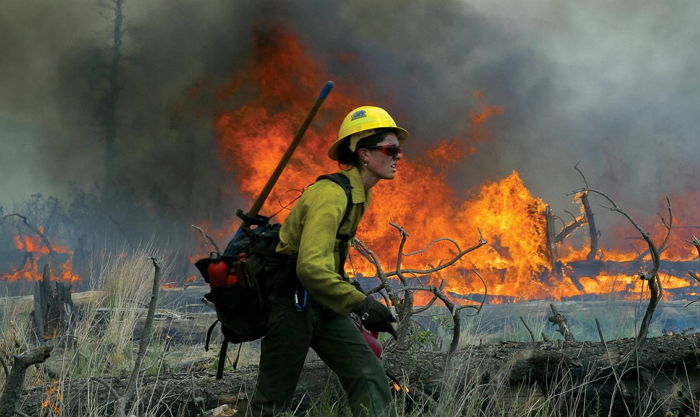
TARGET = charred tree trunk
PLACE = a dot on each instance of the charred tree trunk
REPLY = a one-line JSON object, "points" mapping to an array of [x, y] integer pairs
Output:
{"points": [[551, 243], [592, 230], [53, 307]]}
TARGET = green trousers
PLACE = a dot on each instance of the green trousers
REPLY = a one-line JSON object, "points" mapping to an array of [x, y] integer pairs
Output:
{"points": [[337, 342]]}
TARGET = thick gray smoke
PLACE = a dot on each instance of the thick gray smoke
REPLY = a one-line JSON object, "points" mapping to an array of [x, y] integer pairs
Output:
{"points": [[613, 85]]}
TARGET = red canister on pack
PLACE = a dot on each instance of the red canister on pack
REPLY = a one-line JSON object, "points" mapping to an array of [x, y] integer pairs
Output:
{"points": [[219, 272]]}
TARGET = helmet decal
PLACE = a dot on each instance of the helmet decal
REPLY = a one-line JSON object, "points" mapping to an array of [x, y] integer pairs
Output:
{"points": [[358, 115]]}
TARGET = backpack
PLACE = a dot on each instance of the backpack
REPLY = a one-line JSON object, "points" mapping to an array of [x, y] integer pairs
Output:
{"points": [[250, 273]]}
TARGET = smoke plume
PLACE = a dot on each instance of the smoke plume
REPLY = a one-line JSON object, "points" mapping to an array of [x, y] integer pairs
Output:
{"points": [[612, 85]]}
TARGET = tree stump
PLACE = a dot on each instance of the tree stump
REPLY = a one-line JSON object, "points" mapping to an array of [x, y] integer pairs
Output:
{"points": [[53, 307]]}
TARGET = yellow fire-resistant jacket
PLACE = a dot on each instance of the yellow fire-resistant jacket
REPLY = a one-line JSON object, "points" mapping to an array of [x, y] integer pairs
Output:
{"points": [[310, 231]]}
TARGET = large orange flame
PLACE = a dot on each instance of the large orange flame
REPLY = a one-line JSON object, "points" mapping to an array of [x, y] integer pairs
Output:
{"points": [[517, 263]]}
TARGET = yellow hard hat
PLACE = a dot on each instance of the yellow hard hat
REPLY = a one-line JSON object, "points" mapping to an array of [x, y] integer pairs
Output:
{"points": [[361, 123]]}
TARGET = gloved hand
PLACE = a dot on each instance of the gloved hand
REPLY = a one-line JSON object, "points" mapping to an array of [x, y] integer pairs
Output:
{"points": [[375, 316]]}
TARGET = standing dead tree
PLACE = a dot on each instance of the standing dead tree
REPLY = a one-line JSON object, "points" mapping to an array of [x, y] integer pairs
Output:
{"points": [[590, 219], [402, 298], [651, 275], [111, 98]]}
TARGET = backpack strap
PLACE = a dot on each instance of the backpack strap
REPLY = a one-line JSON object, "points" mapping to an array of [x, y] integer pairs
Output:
{"points": [[222, 359], [211, 328], [344, 183]]}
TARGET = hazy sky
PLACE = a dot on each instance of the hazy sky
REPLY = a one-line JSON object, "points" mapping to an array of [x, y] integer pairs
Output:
{"points": [[612, 84]]}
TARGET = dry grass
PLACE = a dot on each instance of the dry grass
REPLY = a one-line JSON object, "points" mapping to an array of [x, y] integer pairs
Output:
{"points": [[100, 343], [102, 346]]}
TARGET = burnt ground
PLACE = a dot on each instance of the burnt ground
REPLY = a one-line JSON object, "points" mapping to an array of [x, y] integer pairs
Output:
{"points": [[619, 376]]}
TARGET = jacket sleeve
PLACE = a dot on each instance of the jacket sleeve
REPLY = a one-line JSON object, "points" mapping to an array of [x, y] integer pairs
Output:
{"points": [[318, 257]]}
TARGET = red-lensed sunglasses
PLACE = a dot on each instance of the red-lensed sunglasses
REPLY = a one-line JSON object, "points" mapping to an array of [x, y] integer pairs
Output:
{"points": [[389, 150]]}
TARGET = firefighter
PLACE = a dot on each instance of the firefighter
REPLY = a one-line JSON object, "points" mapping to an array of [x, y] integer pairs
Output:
{"points": [[316, 313]]}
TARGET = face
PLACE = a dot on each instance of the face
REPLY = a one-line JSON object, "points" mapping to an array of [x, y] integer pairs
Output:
{"points": [[379, 162]]}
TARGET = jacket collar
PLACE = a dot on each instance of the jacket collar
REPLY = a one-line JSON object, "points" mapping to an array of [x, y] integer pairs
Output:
{"points": [[358, 193]]}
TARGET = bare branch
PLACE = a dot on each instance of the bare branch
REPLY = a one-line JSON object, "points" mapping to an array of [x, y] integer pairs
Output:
{"points": [[4, 366], [451, 262], [652, 247], [427, 306], [399, 258], [669, 227], [569, 229], [580, 172], [443, 239], [532, 335], [368, 254], [109, 387], [145, 340], [652, 275], [695, 242], [34, 229], [563, 223], [573, 216], [697, 279], [486, 291], [600, 332], [404, 306], [209, 238]]}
